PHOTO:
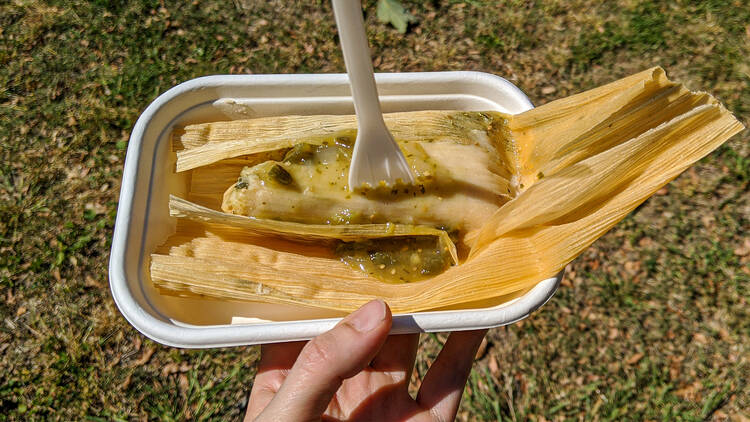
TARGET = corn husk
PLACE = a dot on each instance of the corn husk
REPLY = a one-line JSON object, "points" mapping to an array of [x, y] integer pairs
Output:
{"points": [[207, 143], [577, 165], [208, 183], [220, 261], [181, 208]]}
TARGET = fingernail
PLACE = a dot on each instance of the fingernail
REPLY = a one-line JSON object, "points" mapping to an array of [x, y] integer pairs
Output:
{"points": [[368, 317]]}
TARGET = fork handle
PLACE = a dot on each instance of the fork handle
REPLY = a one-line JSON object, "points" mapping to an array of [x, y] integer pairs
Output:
{"points": [[356, 50]]}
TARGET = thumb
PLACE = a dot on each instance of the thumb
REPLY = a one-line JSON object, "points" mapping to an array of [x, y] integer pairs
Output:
{"points": [[327, 360]]}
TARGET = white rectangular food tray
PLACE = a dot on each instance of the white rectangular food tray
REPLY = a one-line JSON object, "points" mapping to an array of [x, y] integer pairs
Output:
{"points": [[143, 220]]}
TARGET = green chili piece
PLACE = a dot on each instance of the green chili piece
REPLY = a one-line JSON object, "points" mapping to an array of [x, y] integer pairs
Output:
{"points": [[279, 175]]}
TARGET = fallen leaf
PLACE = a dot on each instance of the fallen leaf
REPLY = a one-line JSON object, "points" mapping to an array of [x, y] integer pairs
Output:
{"points": [[613, 333], [169, 368], [700, 338], [663, 191], [145, 357], [674, 370], [494, 367], [724, 334], [481, 350], [116, 360], [549, 90], [690, 392], [415, 381], [743, 250], [126, 383], [708, 220], [634, 359], [90, 282], [632, 267], [183, 382], [173, 367], [391, 11], [20, 311]]}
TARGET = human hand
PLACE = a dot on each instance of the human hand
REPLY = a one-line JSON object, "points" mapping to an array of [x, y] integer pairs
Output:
{"points": [[356, 371]]}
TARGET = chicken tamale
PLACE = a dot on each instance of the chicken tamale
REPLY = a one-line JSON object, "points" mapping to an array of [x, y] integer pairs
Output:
{"points": [[500, 201], [309, 186]]}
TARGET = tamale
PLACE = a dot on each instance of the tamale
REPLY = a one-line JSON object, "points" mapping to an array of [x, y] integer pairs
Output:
{"points": [[521, 196]]}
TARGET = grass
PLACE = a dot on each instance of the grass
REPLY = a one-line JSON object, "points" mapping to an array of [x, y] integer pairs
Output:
{"points": [[651, 322]]}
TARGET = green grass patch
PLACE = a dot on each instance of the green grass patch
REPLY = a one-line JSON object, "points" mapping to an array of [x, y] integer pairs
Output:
{"points": [[651, 323], [637, 30]]}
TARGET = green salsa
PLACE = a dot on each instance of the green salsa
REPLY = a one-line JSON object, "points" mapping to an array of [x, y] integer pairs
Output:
{"points": [[397, 260]]}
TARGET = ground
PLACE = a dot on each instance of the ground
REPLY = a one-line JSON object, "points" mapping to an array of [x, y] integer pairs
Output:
{"points": [[650, 323]]}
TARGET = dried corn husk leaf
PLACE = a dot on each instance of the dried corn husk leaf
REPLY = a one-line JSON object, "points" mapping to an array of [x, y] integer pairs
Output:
{"points": [[579, 165], [208, 183], [221, 264], [206, 143], [556, 135], [179, 207]]}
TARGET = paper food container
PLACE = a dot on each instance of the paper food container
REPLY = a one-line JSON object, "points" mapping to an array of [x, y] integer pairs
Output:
{"points": [[143, 220]]}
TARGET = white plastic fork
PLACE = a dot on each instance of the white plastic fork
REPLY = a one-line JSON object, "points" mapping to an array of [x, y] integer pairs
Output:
{"points": [[376, 156]]}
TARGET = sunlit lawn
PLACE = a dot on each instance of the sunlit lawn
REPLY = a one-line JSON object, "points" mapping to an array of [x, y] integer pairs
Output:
{"points": [[651, 322]]}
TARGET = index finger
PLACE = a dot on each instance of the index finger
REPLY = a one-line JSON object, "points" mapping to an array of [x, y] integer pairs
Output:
{"points": [[275, 362]]}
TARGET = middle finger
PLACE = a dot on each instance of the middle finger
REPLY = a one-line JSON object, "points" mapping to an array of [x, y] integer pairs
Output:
{"points": [[397, 354]]}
